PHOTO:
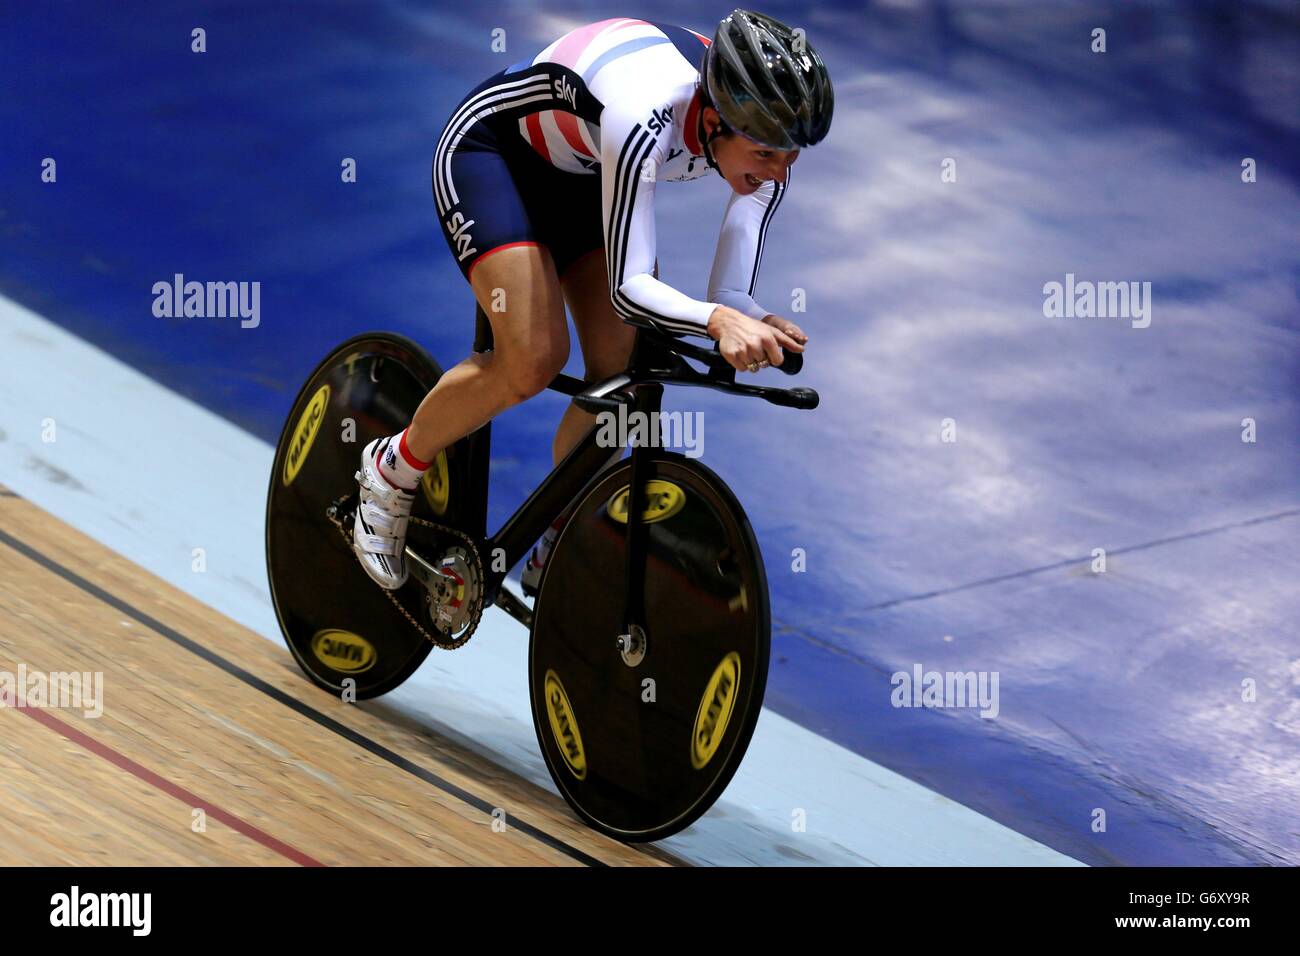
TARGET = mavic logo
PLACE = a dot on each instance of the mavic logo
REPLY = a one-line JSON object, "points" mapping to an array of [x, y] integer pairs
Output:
{"points": [[566, 91], [659, 119], [458, 226]]}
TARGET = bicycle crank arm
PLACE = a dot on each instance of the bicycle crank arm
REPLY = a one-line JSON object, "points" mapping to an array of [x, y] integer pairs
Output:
{"points": [[429, 576], [514, 605]]}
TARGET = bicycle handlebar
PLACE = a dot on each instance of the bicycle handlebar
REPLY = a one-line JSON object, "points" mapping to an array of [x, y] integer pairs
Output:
{"points": [[608, 395], [793, 397], [791, 364]]}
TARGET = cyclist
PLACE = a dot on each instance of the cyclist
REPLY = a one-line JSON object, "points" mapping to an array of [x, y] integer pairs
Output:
{"points": [[545, 179]]}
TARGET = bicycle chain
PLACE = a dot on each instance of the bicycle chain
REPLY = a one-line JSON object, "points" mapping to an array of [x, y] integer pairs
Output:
{"points": [[476, 609]]}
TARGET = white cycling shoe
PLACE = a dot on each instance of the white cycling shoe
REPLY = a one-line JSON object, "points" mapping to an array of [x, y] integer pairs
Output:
{"points": [[379, 531]]}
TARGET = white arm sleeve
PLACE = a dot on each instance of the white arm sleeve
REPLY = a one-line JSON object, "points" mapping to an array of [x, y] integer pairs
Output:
{"points": [[740, 248], [630, 153]]}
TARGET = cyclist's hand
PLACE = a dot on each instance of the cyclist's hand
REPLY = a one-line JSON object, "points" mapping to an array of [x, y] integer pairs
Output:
{"points": [[746, 344], [789, 328]]}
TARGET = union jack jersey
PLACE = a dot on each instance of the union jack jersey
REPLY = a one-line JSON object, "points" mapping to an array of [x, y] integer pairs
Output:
{"points": [[619, 99]]}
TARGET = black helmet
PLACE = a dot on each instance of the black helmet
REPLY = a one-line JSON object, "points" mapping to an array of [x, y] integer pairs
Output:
{"points": [[767, 83]]}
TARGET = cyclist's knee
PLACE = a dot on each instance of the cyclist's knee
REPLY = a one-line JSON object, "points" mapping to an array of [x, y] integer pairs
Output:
{"points": [[531, 338], [531, 375], [607, 353], [605, 366]]}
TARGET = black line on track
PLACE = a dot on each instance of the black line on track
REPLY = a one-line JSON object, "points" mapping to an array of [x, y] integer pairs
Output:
{"points": [[1011, 576], [827, 645], [252, 680]]}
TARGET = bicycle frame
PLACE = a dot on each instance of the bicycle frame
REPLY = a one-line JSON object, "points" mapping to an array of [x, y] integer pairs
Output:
{"points": [[656, 360], [556, 491]]}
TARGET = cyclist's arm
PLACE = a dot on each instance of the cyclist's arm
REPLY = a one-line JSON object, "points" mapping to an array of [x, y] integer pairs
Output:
{"points": [[628, 148], [740, 248]]}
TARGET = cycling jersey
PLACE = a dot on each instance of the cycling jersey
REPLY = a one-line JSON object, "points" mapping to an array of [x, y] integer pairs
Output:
{"points": [[613, 103]]}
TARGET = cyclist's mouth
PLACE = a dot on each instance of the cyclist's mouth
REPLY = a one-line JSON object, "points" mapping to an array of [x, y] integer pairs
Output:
{"points": [[753, 181]]}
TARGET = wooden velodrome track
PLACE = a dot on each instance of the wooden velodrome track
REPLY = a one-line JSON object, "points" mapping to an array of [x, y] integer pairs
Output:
{"points": [[201, 714]]}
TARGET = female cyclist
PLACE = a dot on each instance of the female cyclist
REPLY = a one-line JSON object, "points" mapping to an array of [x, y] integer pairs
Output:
{"points": [[544, 180]]}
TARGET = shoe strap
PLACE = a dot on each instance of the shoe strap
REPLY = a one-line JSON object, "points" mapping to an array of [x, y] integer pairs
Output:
{"points": [[394, 500], [384, 522], [376, 543]]}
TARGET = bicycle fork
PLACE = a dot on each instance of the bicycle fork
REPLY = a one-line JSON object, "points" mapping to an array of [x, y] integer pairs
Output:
{"points": [[633, 640]]}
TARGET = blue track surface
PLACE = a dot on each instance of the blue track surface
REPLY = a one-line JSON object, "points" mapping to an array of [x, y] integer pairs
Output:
{"points": [[1121, 691]]}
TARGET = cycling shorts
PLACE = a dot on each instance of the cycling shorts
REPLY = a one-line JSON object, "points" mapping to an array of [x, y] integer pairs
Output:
{"points": [[493, 191]]}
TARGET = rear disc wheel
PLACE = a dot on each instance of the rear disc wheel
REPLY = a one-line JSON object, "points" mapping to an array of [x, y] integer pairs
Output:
{"points": [[339, 625]]}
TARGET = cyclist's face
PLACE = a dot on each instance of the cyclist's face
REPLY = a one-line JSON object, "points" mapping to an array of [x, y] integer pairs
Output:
{"points": [[747, 165]]}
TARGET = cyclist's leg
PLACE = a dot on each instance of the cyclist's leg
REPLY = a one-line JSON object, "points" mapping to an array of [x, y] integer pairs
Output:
{"points": [[518, 290], [606, 346], [480, 187], [531, 345], [605, 338], [493, 241], [570, 223]]}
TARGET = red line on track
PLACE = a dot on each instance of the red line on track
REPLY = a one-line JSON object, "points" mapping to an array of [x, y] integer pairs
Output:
{"points": [[167, 787]]}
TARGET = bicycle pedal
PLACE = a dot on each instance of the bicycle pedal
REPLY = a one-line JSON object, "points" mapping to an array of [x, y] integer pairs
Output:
{"points": [[343, 511], [510, 602]]}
